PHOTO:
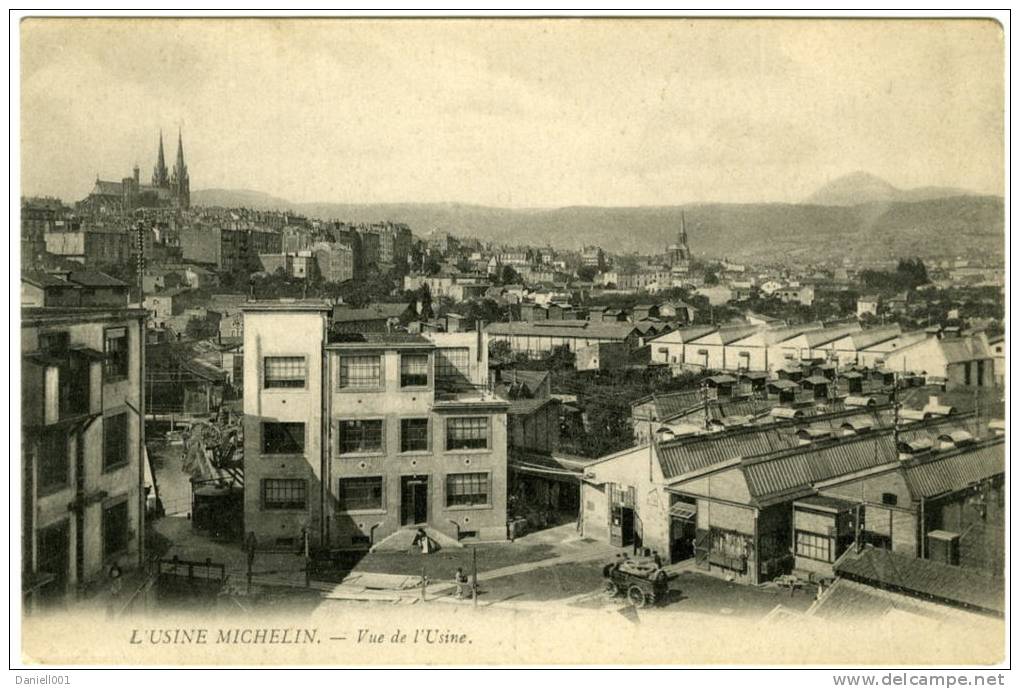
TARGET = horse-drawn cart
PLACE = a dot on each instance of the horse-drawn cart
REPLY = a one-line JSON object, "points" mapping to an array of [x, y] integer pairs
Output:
{"points": [[644, 583]]}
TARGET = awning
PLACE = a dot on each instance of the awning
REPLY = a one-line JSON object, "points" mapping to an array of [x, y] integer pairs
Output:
{"points": [[684, 511], [43, 359], [88, 352]]}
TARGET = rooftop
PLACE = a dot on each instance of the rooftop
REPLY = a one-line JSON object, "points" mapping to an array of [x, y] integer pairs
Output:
{"points": [[286, 305], [93, 278], [40, 279], [78, 314], [347, 314], [395, 338], [951, 584], [584, 329]]}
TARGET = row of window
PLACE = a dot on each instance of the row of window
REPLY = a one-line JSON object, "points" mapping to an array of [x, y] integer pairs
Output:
{"points": [[366, 370], [53, 463], [117, 362], [53, 541], [367, 492], [368, 436]]}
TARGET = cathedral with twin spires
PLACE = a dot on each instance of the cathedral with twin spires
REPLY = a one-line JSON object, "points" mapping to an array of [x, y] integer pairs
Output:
{"points": [[169, 189]]}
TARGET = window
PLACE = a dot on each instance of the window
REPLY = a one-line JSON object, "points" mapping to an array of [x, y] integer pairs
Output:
{"points": [[74, 390], [283, 372], [116, 349], [414, 435], [54, 343], [453, 365], [414, 370], [362, 493], [52, 462], [814, 546], [284, 493], [889, 499], [115, 441], [361, 436], [361, 371], [470, 433], [283, 438], [115, 529], [467, 489]]}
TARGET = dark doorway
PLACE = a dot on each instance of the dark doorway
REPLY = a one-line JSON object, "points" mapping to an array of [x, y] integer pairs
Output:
{"points": [[621, 530], [53, 558], [414, 500], [621, 515], [681, 543]]}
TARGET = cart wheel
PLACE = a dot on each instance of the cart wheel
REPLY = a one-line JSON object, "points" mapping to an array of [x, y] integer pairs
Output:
{"points": [[612, 589], [636, 597]]}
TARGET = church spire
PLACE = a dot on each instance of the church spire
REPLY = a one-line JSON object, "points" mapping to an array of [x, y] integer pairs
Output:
{"points": [[160, 177], [180, 182], [179, 165], [681, 237]]}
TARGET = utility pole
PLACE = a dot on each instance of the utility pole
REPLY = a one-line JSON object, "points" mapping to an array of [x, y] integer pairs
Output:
{"points": [[474, 575], [704, 404], [896, 413], [143, 329]]}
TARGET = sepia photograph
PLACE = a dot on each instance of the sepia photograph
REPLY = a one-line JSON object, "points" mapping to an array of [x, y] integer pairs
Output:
{"points": [[519, 341]]}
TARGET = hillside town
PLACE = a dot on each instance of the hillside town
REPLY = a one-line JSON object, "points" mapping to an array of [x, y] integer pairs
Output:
{"points": [[237, 407]]}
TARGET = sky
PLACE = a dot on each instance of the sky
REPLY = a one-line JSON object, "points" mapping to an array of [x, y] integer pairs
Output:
{"points": [[517, 113]]}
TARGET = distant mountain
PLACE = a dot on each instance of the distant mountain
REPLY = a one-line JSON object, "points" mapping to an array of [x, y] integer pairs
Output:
{"points": [[238, 198], [860, 188], [762, 231]]}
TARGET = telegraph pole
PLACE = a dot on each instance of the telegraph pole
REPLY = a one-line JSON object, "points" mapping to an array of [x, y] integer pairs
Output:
{"points": [[140, 268]]}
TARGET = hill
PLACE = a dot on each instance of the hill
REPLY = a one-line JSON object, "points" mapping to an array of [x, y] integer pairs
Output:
{"points": [[238, 198], [957, 225], [860, 188]]}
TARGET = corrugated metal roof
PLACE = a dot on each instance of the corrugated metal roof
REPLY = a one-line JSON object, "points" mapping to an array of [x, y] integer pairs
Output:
{"points": [[926, 578], [873, 336], [955, 470], [815, 338], [963, 349], [670, 404], [786, 472], [692, 453], [689, 333], [731, 335]]}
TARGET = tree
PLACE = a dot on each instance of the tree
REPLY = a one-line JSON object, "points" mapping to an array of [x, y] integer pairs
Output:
{"points": [[200, 328], [432, 265], [587, 273], [485, 310], [425, 298], [711, 278], [560, 358], [500, 352], [912, 272], [509, 276]]}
